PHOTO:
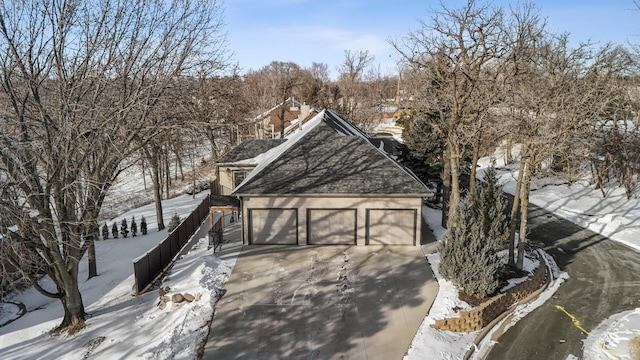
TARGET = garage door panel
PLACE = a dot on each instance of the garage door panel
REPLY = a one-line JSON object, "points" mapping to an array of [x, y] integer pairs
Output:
{"points": [[332, 226], [391, 226], [274, 226]]}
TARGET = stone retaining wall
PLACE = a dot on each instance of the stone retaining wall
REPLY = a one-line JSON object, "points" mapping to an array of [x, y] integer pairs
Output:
{"points": [[482, 315]]}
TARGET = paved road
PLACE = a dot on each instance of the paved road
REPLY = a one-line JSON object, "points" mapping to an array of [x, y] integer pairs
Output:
{"points": [[604, 280]]}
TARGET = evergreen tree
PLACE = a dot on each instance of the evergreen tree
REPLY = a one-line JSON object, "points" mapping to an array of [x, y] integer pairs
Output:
{"points": [[426, 149], [175, 221], [105, 231], [468, 258], [114, 230], [490, 207], [124, 228], [134, 226], [143, 226]]}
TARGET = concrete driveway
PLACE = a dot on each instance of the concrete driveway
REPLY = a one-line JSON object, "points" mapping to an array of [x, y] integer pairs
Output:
{"points": [[322, 302]]}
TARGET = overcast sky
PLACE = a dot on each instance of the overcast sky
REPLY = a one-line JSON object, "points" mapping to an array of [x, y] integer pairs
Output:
{"points": [[306, 31]]}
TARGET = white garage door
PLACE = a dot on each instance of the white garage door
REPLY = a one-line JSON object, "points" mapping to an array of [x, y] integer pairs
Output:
{"points": [[391, 226], [274, 226], [332, 227]]}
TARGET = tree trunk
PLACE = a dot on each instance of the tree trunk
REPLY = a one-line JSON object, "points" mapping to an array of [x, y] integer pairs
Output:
{"points": [[152, 157], [91, 238], [474, 165], [508, 155], [193, 174], [71, 299], [513, 218], [446, 191], [91, 257], [524, 211], [167, 168], [454, 159], [144, 175]]}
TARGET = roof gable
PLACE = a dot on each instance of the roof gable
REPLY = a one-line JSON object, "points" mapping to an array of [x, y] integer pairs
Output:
{"points": [[330, 156]]}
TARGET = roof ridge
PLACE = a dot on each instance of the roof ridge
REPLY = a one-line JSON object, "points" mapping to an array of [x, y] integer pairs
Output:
{"points": [[275, 153], [357, 131]]}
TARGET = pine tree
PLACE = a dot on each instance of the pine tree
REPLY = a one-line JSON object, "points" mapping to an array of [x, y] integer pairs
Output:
{"points": [[134, 226], [114, 230], [490, 207], [425, 147], [468, 258], [124, 228], [143, 226], [105, 231], [175, 221]]}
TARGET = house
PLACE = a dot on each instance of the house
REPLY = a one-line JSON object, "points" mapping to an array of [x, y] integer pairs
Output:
{"points": [[329, 184], [269, 125], [232, 167]]}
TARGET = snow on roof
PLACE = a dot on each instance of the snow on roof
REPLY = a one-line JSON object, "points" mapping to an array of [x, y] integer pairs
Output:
{"points": [[274, 153]]}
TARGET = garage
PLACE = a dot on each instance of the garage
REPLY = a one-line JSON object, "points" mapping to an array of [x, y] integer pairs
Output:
{"points": [[332, 226], [391, 226], [274, 226]]}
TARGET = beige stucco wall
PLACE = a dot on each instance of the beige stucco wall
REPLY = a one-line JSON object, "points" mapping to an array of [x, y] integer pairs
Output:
{"points": [[361, 204], [225, 176]]}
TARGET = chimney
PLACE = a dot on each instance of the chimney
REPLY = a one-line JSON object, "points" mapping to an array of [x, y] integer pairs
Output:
{"points": [[305, 110]]}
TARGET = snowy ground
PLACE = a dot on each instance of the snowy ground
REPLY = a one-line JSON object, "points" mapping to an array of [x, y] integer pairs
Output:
{"points": [[613, 216], [122, 326]]}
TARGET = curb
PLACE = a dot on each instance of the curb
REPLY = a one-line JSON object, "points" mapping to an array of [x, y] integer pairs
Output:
{"points": [[509, 312]]}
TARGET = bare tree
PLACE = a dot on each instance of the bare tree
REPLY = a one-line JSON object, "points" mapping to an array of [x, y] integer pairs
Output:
{"points": [[78, 81], [351, 77], [459, 55]]}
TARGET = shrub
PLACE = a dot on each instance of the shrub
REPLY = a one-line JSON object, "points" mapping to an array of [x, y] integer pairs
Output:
{"points": [[105, 231], [467, 257], [114, 230], [124, 228], [491, 207], [143, 226], [175, 221], [134, 227]]}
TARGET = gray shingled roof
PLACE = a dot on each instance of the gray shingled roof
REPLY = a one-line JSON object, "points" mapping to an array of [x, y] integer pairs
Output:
{"points": [[249, 149], [334, 157]]}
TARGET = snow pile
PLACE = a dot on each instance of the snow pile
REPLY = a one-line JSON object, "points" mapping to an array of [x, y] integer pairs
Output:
{"points": [[436, 343], [611, 339], [199, 274]]}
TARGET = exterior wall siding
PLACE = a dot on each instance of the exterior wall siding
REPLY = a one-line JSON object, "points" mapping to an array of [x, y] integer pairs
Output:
{"points": [[360, 204], [225, 177]]}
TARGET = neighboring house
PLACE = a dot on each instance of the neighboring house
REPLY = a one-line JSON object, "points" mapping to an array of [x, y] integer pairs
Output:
{"points": [[328, 184], [269, 125]]}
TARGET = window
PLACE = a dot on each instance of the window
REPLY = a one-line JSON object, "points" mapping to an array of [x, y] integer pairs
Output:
{"points": [[238, 177]]}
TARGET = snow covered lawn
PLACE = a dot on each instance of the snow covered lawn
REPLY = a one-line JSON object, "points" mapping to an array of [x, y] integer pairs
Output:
{"points": [[119, 325]]}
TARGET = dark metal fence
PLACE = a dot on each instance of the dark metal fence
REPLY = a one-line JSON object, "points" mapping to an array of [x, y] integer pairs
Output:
{"points": [[215, 233], [149, 266]]}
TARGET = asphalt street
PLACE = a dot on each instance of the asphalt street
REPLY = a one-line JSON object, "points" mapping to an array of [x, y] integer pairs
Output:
{"points": [[604, 280]]}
